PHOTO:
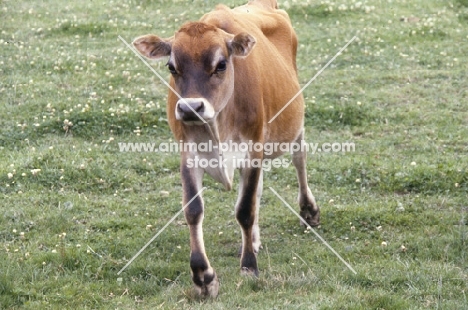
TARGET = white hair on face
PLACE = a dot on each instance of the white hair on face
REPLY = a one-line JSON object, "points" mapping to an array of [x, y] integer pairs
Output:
{"points": [[218, 55]]}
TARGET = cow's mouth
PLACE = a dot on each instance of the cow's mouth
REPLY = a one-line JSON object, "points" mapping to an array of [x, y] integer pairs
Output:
{"points": [[194, 111]]}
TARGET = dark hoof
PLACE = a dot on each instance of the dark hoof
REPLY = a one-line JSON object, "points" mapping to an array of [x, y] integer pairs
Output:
{"points": [[249, 272], [210, 289], [311, 217]]}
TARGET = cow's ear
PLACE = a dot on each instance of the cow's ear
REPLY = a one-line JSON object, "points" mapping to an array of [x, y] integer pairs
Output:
{"points": [[152, 46], [241, 45]]}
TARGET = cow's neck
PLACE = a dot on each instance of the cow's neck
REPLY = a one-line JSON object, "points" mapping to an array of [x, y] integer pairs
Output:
{"points": [[213, 133], [203, 134]]}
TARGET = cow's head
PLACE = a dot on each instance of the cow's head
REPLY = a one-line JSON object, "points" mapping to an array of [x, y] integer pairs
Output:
{"points": [[201, 65]]}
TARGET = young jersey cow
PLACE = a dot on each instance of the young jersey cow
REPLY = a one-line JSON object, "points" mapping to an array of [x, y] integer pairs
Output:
{"points": [[232, 72]]}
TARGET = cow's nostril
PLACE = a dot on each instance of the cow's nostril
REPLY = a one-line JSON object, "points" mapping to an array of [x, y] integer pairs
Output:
{"points": [[200, 107]]}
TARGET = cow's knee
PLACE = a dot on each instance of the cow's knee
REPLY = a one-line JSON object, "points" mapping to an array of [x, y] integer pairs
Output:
{"points": [[245, 216]]}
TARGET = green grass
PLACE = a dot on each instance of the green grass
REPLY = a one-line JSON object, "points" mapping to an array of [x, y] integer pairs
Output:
{"points": [[398, 92]]}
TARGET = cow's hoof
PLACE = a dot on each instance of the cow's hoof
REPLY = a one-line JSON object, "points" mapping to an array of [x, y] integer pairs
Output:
{"points": [[208, 289], [252, 272], [311, 217]]}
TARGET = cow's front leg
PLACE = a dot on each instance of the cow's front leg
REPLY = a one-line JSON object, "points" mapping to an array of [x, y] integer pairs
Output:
{"points": [[246, 214], [203, 275], [310, 211]]}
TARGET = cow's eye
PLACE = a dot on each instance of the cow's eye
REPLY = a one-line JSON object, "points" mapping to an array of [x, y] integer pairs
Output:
{"points": [[171, 68], [221, 66]]}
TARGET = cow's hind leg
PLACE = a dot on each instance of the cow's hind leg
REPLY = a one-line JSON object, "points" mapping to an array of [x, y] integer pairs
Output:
{"points": [[203, 275], [256, 228], [247, 217], [309, 209]]}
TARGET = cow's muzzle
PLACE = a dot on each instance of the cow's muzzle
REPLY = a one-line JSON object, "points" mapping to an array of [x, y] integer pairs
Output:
{"points": [[194, 111]]}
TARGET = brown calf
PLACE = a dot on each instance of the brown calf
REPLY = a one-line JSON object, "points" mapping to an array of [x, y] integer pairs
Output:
{"points": [[233, 71]]}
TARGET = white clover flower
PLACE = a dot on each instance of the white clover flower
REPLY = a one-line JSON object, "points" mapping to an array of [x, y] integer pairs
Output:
{"points": [[35, 171]]}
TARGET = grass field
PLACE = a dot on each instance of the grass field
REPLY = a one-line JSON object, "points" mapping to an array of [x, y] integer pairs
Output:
{"points": [[74, 209]]}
